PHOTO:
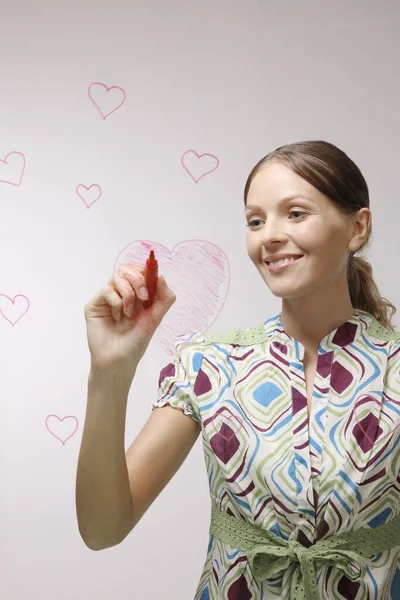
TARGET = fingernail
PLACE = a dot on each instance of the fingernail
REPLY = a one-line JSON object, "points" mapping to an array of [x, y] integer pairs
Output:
{"points": [[129, 310], [143, 293]]}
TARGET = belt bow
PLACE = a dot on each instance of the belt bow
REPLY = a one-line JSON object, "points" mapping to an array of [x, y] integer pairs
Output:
{"points": [[270, 560]]}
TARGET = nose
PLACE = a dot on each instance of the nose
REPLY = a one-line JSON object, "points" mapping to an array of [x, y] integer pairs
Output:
{"points": [[272, 232]]}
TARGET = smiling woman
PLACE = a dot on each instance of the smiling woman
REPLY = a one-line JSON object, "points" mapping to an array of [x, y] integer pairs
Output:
{"points": [[298, 416], [330, 197]]}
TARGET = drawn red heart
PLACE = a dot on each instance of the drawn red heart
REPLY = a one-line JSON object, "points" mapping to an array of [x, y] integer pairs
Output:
{"points": [[106, 99], [12, 168], [88, 195], [199, 165], [379, 439], [13, 309], [235, 425], [55, 423], [198, 272]]}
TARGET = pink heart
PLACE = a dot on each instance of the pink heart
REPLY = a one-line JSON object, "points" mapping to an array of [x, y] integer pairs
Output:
{"points": [[86, 195], [235, 425], [9, 307], [201, 164], [379, 439], [198, 272], [108, 99], [13, 169], [57, 424]]}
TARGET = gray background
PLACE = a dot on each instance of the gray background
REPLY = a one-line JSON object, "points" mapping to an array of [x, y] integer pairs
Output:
{"points": [[236, 79]]}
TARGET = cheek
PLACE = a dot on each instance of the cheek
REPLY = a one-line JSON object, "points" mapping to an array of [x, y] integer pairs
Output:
{"points": [[321, 238], [328, 252], [334, 243], [253, 248], [313, 235]]}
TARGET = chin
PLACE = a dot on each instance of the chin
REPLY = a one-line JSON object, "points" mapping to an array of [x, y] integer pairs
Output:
{"points": [[285, 290]]}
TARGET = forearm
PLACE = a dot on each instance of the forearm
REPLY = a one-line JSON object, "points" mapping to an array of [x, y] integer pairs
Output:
{"points": [[103, 498]]}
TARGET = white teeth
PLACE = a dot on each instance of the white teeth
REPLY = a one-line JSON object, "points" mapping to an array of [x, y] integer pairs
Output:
{"points": [[284, 260]]}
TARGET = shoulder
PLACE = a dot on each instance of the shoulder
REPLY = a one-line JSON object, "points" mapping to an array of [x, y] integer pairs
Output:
{"points": [[384, 339], [250, 336], [189, 347], [242, 337], [193, 348], [239, 337], [385, 342], [379, 332]]}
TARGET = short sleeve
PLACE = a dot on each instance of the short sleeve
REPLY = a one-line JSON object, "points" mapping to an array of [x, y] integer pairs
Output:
{"points": [[176, 384]]}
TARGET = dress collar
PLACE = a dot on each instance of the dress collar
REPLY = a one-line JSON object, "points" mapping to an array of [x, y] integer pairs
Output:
{"points": [[343, 335]]}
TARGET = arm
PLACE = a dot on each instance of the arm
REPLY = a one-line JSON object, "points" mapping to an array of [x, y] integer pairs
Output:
{"points": [[114, 489], [157, 453]]}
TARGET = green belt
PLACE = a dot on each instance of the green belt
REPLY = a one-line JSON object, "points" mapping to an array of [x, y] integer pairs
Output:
{"points": [[270, 555]]}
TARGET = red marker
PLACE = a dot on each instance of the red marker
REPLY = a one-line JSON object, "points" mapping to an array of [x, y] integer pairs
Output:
{"points": [[151, 277]]}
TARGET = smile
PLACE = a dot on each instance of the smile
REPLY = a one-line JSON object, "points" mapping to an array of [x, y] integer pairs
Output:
{"points": [[280, 265]]}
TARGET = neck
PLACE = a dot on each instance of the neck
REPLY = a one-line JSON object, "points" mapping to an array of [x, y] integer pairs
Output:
{"points": [[309, 321]]}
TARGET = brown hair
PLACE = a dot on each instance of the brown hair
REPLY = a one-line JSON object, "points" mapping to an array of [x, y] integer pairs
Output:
{"points": [[333, 173]]}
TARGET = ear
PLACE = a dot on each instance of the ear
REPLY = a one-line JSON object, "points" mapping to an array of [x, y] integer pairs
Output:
{"points": [[361, 225]]}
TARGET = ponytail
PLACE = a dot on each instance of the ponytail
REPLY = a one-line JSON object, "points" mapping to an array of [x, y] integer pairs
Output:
{"points": [[364, 293]]}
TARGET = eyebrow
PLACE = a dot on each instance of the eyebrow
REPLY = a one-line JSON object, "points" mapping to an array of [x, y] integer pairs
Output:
{"points": [[281, 201]]}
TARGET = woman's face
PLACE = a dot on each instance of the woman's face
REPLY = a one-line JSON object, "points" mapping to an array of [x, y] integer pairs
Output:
{"points": [[286, 214]]}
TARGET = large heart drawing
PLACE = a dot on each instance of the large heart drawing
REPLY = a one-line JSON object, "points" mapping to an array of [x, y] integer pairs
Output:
{"points": [[60, 430], [12, 168], [13, 309], [199, 165], [198, 272], [88, 195], [106, 99]]}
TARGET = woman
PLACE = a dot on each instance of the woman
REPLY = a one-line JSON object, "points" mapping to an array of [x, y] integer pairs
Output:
{"points": [[299, 416]]}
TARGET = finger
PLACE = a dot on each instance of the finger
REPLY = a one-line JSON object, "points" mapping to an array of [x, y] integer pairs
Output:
{"points": [[114, 300], [136, 266], [136, 279], [126, 291]]}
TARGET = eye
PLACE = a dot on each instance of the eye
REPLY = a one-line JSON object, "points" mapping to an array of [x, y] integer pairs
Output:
{"points": [[253, 222], [299, 212]]}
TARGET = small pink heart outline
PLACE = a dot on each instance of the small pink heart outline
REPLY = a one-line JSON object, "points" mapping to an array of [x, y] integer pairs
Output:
{"points": [[199, 157], [95, 185], [22, 169], [379, 439], [356, 422], [234, 431], [63, 441], [12, 300], [107, 89]]}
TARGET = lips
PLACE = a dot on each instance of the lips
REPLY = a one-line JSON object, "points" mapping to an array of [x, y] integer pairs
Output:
{"points": [[277, 268], [295, 256]]}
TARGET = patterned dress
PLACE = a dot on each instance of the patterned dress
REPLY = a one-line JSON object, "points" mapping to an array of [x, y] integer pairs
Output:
{"points": [[266, 464]]}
